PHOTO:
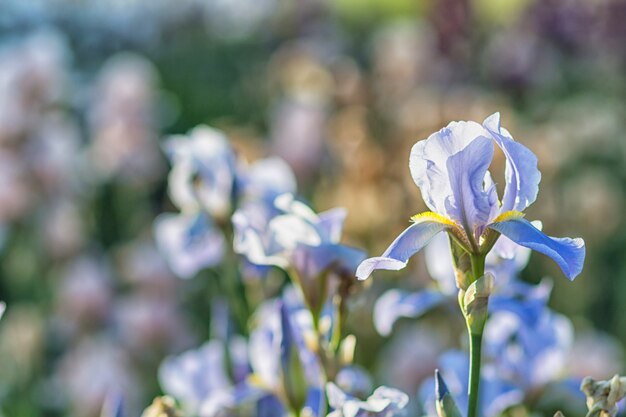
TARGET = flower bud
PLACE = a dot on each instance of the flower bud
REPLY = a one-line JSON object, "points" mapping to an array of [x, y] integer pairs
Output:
{"points": [[476, 300], [446, 407]]}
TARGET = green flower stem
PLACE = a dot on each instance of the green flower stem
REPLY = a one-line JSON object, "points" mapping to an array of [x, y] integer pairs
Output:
{"points": [[474, 378], [475, 332]]}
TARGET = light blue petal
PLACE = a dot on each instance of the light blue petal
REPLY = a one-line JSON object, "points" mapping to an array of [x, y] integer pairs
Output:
{"points": [[331, 223], [469, 203], [568, 253], [439, 179], [413, 239], [526, 301], [312, 261], [438, 257], [521, 173], [395, 304]]}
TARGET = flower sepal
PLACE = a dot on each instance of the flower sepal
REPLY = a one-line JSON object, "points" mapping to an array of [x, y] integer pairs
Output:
{"points": [[475, 302], [444, 402]]}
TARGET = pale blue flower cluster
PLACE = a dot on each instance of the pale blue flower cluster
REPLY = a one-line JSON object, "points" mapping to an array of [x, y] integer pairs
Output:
{"points": [[292, 356], [292, 353], [451, 168]]}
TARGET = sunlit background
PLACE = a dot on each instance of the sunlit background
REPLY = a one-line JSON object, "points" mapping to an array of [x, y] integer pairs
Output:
{"points": [[341, 90]]}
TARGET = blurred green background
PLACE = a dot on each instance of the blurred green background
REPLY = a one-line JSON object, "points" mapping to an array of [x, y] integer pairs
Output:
{"points": [[340, 89]]}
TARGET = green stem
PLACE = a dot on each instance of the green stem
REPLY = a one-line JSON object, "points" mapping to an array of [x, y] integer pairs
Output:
{"points": [[478, 266], [475, 343], [474, 378]]}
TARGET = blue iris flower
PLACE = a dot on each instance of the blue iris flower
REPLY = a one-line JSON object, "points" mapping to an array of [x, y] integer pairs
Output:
{"points": [[205, 183], [451, 169], [293, 237]]}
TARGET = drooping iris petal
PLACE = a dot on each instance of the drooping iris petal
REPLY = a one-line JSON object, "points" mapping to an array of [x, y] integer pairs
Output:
{"points": [[521, 173], [449, 188], [469, 204], [568, 253], [413, 239], [395, 304]]}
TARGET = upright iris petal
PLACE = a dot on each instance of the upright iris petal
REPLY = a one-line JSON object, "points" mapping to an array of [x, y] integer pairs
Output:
{"points": [[521, 173], [449, 168], [470, 205]]}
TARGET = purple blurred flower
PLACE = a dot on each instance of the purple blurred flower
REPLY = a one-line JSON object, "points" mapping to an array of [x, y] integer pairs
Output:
{"points": [[451, 169], [294, 229], [189, 242], [384, 402], [298, 240]]}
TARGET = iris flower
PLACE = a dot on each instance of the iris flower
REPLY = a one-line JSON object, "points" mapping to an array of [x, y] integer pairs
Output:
{"points": [[451, 168]]}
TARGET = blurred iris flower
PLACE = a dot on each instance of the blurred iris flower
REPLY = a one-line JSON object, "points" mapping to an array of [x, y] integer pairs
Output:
{"points": [[282, 355], [384, 402], [451, 169], [189, 242], [298, 240], [203, 171], [206, 181]]}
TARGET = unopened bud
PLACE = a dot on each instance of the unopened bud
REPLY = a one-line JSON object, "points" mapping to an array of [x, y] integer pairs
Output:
{"points": [[446, 407], [476, 300]]}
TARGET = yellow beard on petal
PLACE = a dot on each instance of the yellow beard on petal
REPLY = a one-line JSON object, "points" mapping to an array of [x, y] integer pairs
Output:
{"points": [[509, 215], [429, 216]]}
